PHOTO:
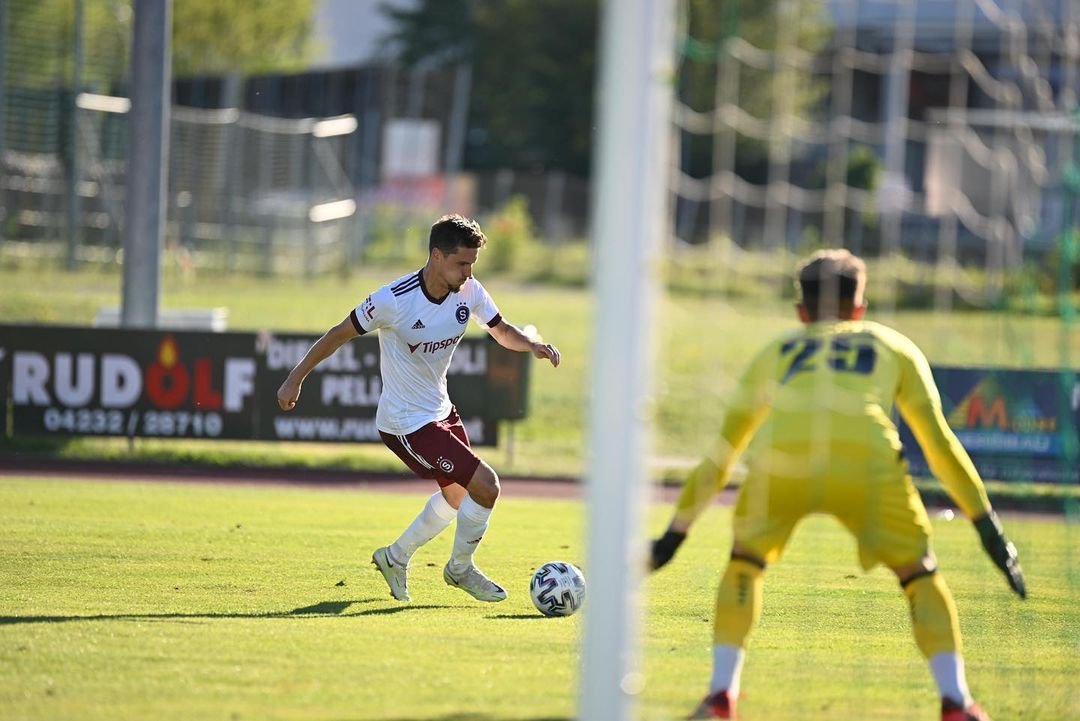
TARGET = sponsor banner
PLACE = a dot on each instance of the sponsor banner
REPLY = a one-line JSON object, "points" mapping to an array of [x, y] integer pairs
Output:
{"points": [[120, 382], [180, 384], [1017, 425], [486, 382]]}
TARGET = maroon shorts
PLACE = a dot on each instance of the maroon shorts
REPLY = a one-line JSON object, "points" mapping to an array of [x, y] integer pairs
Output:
{"points": [[438, 450]]}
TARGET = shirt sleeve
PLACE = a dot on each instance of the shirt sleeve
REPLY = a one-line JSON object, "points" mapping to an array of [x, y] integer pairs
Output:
{"points": [[749, 407], [484, 311], [920, 404], [378, 310]]}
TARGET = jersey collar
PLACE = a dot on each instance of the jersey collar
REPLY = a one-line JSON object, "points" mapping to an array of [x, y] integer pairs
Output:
{"points": [[429, 296]]}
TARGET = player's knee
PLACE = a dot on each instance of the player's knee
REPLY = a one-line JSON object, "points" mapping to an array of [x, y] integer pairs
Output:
{"points": [[484, 485], [741, 553], [454, 495], [907, 573]]}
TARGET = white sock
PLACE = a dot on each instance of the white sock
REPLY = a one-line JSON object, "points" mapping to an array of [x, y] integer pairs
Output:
{"points": [[948, 670], [727, 669], [472, 521], [436, 516]]}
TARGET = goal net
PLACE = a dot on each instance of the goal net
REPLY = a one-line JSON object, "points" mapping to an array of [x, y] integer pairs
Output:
{"points": [[939, 141]]}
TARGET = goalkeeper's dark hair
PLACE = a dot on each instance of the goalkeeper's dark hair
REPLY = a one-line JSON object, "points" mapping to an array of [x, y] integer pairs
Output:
{"points": [[831, 282], [454, 231]]}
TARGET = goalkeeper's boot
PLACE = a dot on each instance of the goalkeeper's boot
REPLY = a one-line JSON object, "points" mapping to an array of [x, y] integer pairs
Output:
{"points": [[396, 574], [717, 705], [473, 582], [953, 711]]}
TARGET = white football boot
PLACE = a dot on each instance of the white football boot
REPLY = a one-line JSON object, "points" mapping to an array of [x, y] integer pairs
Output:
{"points": [[396, 574], [473, 582]]}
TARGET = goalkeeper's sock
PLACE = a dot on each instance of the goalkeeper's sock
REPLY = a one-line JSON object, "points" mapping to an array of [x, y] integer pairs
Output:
{"points": [[738, 603], [727, 669], [472, 522], [431, 521], [948, 671]]}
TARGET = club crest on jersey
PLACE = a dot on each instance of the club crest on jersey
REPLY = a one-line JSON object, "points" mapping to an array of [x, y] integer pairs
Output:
{"points": [[462, 313], [445, 465]]}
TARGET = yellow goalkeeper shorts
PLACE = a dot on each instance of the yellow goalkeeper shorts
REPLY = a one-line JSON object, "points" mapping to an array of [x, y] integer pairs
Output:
{"points": [[879, 506]]}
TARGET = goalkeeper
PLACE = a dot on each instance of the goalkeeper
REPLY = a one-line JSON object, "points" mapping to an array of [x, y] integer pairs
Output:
{"points": [[818, 403]]}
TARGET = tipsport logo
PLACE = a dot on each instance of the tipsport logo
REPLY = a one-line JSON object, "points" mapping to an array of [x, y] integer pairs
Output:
{"points": [[434, 346]]}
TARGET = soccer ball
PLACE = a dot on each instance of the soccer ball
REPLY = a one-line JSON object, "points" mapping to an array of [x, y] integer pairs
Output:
{"points": [[558, 589]]}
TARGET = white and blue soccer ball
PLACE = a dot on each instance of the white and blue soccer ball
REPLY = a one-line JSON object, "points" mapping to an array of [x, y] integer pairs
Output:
{"points": [[558, 589]]}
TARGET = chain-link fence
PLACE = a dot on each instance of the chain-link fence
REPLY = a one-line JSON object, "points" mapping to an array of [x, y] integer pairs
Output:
{"points": [[266, 174]]}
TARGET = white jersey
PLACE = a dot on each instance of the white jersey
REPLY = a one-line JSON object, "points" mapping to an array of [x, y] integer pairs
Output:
{"points": [[417, 338]]}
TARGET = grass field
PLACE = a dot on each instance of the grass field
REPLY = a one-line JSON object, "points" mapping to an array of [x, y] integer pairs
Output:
{"points": [[125, 600]]}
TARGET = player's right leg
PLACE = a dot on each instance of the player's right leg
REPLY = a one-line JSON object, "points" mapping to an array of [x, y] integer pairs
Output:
{"points": [[892, 527], [473, 518], [937, 634]]}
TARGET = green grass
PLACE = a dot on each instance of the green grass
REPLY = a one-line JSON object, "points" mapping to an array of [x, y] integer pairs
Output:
{"points": [[180, 601], [702, 342]]}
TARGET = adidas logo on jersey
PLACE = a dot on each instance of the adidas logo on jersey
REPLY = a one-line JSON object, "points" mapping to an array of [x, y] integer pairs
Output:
{"points": [[418, 325]]}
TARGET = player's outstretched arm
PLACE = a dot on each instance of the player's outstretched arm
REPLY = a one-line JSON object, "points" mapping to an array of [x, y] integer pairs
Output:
{"points": [[289, 391], [1001, 551], [511, 337]]}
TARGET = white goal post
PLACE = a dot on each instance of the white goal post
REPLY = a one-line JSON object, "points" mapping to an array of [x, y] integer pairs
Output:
{"points": [[631, 185]]}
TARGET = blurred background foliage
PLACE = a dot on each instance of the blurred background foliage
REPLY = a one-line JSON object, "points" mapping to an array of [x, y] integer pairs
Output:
{"points": [[209, 36]]}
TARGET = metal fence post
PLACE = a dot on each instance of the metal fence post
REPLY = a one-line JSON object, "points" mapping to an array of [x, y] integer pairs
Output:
{"points": [[73, 231], [151, 94]]}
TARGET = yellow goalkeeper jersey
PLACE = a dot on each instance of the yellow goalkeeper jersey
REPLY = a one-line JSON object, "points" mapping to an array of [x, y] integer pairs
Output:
{"points": [[819, 401]]}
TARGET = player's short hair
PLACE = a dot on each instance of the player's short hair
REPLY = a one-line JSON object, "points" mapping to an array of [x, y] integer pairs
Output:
{"points": [[454, 231], [831, 281]]}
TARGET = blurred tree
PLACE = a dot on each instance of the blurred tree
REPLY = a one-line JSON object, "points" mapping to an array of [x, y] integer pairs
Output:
{"points": [[222, 36], [533, 64], [209, 37]]}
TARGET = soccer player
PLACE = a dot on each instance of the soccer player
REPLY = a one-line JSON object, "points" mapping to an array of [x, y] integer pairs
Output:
{"points": [[420, 319], [819, 401]]}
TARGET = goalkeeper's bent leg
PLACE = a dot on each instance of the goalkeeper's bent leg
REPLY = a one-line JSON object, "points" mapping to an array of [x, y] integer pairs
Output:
{"points": [[933, 614], [738, 601], [738, 606], [937, 633]]}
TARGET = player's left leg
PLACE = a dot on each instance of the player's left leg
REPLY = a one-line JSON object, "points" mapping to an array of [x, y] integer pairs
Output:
{"points": [[892, 527], [936, 627], [738, 608]]}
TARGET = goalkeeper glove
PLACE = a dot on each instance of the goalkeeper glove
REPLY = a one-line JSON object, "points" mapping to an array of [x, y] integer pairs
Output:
{"points": [[1001, 551], [664, 548]]}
